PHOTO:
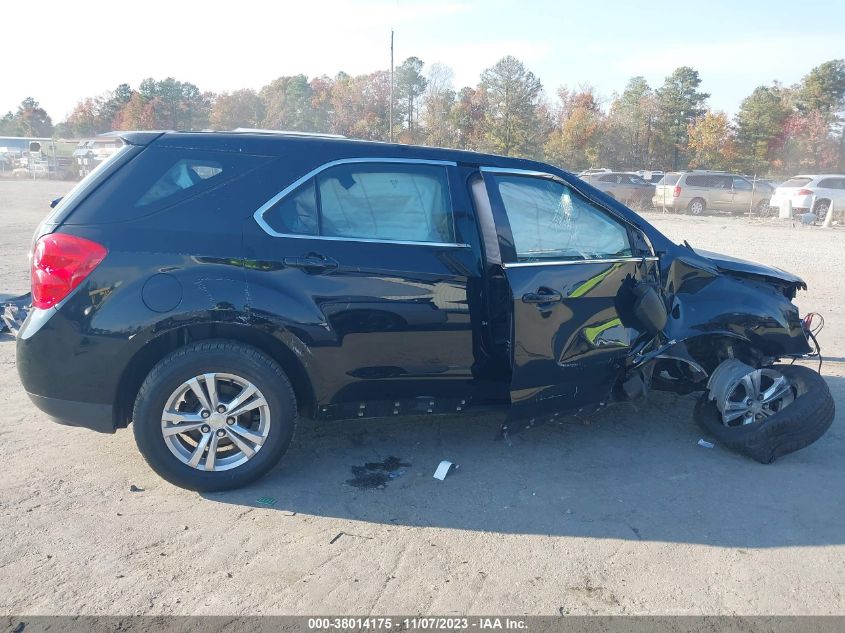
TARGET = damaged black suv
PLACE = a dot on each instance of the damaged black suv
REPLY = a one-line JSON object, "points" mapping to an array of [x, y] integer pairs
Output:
{"points": [[213, 288]]}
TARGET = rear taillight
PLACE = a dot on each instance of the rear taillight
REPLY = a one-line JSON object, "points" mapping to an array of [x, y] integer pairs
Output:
{"points": [[60, 263], [677, 192], [804, 192]]}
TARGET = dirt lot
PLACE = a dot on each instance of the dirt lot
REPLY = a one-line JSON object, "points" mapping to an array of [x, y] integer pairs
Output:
{"points": [[624, 515]]}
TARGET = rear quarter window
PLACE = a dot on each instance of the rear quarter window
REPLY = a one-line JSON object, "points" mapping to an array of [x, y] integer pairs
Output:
{"points": [[696, 181], [159, 178]]}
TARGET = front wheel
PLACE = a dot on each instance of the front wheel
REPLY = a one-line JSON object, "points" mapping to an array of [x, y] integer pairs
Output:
{"points": [[765, 413], [214, 415]]}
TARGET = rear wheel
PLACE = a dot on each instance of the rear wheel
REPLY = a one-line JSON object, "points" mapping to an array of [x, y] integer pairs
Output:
{"points": [[765, 413], [821, 209], [214, 415], [697, 206]]}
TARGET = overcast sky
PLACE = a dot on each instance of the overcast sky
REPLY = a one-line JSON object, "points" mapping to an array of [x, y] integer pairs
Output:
{"points": [[59, 51]]}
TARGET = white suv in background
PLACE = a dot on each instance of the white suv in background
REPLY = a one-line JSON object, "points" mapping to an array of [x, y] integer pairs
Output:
{"points": [[826, 189]]}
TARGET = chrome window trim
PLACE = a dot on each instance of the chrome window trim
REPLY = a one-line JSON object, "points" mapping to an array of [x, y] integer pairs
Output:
{"points": [[545, 174], [259, 213], [569, 262]]}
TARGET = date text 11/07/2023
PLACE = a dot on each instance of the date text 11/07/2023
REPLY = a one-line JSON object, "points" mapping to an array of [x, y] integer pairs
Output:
{"points": [[421, 623]]}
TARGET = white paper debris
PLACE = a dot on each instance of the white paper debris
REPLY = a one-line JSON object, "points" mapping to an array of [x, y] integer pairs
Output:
{"points": [[442, 470], [705, 443]]}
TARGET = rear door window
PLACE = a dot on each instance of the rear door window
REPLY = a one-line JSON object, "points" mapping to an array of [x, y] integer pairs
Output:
{"points": [[741, 184], [370, 201]]}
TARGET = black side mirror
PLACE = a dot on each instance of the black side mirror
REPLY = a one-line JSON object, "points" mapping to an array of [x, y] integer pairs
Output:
{"points": [[650, 309], [55, 202]]}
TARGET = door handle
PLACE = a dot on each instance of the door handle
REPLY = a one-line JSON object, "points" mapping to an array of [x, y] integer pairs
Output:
{"points": [[311, 263], [543, 295]]}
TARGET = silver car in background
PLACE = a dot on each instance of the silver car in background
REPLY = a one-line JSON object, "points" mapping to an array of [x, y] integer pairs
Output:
{"points": [[697, 192], [626, 187]]}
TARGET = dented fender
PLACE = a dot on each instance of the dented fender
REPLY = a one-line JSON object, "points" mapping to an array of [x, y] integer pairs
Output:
{"points": [[716, 296]]}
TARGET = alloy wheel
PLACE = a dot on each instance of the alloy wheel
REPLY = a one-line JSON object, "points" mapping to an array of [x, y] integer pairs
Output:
{"points": [[215, 421]]}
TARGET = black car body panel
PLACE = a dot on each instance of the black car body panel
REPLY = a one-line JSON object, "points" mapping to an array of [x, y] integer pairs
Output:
{"points": [[366, 327]]}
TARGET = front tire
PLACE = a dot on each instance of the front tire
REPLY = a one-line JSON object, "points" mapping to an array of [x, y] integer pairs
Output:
{"points": [[798, 424], [214, 415]]}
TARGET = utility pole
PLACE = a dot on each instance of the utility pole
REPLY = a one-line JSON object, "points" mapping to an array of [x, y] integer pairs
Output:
{"points": [[391, 86]]}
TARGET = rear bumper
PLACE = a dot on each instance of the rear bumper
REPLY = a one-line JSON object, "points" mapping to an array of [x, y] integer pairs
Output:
{"points": [[97, 417]]}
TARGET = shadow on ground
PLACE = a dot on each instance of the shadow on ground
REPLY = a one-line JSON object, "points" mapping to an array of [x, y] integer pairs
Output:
{"points": [[632, 473]]}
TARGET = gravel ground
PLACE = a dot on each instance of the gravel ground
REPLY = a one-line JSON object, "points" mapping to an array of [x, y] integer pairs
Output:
{"points": [[625, 515]]}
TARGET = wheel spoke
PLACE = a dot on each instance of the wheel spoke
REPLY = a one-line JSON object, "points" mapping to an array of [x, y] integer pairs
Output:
{"points": [[180, 422], [732, 415], [211, 386], [237, 441], [778, 389], [756, 378], [199, 392], [212, 452], [245, 394], [248, 406], [247, 434], [196, 456]]}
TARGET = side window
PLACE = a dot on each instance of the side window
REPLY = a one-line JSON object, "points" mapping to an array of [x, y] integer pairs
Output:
{"points": [[607, 179], [183, 174], [551, 221], [828, 183], [392, 202], [296, 213], [741, 184], [696, 181], [380, 201]]}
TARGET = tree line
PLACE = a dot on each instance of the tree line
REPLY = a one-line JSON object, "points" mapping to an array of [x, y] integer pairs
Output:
{"points": [[778, 129]]}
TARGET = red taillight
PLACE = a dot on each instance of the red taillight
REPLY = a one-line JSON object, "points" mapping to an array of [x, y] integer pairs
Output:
{"points": [[677, 192], [804, 192], [60, 263]]}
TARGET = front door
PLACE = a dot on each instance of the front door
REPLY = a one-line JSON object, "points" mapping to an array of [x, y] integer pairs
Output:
{"points": [[571, 266]]}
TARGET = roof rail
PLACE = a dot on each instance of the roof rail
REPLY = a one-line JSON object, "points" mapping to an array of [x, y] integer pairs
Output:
{"points": [[286, 132]]}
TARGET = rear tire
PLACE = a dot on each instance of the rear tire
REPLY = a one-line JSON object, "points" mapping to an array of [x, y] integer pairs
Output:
{"points": [[797, 425], [821, 209], [239, 461], [697, 206]]}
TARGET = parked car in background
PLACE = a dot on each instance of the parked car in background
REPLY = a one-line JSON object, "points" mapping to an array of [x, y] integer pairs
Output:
{"points": [[626, 187], [653, 176], [594, 170], [816, 191], [697, 192]]}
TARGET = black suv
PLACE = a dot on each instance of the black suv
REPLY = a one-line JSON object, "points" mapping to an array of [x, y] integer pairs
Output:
{"points": [[213, 288]]}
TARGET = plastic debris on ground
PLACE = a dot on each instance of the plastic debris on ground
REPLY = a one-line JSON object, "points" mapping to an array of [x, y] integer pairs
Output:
{"points": [[705, 443], [443, 469]]}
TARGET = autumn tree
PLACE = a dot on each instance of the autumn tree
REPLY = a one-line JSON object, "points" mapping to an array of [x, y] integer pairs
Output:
{"points": [[760, 124], [409, 86], [575, 140], [32, 120], [287, 103], [468, 117], [513, 94], [711, 142], [631, 125], [438, 103], [679, 103], [241, 108]]}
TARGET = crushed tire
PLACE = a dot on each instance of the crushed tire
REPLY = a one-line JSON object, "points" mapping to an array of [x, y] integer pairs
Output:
{"points": [[799, 424]]}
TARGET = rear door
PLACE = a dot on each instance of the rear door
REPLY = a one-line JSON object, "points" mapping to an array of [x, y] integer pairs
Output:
{"points": [[571, 266], [362, 267]]}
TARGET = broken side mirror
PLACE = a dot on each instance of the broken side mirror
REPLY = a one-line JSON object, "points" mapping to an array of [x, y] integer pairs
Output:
{"points": [[650, 309]]}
